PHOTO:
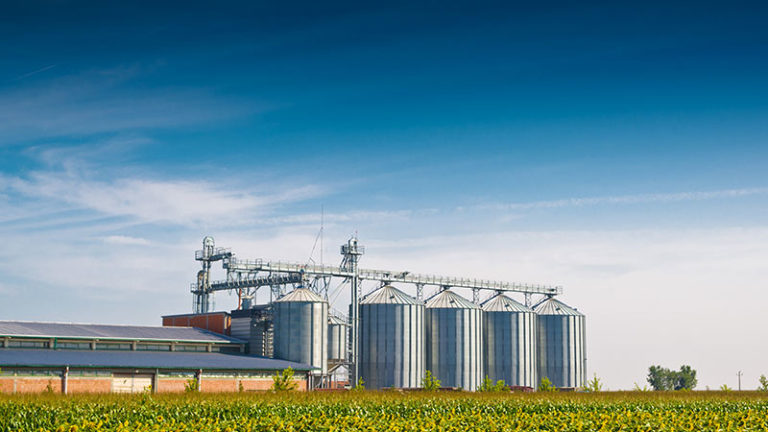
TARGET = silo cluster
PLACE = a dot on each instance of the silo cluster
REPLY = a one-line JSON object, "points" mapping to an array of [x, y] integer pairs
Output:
{"points": [[401, 337]]}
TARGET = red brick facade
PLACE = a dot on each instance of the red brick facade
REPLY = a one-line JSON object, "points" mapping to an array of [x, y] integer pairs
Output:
{"points": [[217, 322], [27, 384]]}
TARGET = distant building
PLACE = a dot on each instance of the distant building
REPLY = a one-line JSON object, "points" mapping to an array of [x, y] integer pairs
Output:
{"points": [[89, 358]]}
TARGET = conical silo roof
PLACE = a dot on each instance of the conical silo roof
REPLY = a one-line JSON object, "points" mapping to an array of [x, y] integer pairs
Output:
{"points": [[550, 306], [389, 295], [450, 300], [332, 320], [502, 303], [300, 295]]}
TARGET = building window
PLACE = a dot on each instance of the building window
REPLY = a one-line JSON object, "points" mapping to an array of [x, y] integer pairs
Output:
{"points": [[255, 374], [38, 372], [228, 349], [27, 344], [176, 374], [73, 345], [192, 348], [113, 346], [90, 373], [217, 374], [152, 347]]}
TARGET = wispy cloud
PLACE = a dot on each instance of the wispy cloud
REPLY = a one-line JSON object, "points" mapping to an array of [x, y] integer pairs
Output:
{"points": [[183, 203], [627, 199], [107, 101], [126, 240], [34, 72]]}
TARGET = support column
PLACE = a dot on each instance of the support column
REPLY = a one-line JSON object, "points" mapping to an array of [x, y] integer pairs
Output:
{"points": [[65, 380]]}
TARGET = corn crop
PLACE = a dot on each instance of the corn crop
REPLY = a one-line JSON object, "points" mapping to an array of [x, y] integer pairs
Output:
{"points": [[375, 411]]}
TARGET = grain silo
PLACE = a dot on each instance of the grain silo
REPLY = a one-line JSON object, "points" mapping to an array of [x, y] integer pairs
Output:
{"points": [[454, 328], [338, 339], [562, 354], [391, 339], [510, 342], [301, 329]]}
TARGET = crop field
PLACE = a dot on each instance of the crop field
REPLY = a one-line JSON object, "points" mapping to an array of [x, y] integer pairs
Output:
{"points": [[372, 411]]}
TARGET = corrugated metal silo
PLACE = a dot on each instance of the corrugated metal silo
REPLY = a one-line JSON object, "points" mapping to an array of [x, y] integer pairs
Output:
{"points": [[391, 339], [562, 354], [338, 339], [301, 328], [510, 342], [454, 328]]}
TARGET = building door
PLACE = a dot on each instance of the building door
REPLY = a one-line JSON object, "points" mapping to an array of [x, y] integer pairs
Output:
{"points": [[130, 382]]}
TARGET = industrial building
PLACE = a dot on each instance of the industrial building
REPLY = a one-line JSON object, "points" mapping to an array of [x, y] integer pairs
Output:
{"points": [[389, 338], [88, 358]]}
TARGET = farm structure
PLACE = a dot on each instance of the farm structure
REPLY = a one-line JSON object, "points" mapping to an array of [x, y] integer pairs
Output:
{"points": [[89, 358], [387, 337]]}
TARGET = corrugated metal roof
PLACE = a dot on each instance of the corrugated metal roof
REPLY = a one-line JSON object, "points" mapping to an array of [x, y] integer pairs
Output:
{"points": [[332, 320], [551, 306], [502, 303], [301, 295], [113, 332], [141, 359], [450, 300], [389, 295]]}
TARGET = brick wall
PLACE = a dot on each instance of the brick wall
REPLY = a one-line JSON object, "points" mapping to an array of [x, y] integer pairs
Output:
{"points": [[171, 385], [29, 384], [89, 385], [6, 384], [21, 384]]}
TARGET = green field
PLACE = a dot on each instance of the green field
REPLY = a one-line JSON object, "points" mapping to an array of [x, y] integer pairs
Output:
{"points": [[372, 411]]}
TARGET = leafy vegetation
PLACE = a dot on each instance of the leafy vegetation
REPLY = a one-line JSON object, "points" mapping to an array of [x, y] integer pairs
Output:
{"points": [[429, 382], [192, 385], [366, 410], [283, 381], [546, 385], [664, 379], [763, 384], [594, 385], [488, 385]]}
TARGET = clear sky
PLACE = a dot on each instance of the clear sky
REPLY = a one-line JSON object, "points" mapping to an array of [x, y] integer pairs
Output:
{"points": [[617, 150]]}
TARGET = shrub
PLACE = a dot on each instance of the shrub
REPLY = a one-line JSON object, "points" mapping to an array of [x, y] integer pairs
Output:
{"points": [[283, 381], [546, 385], [430, 382]]}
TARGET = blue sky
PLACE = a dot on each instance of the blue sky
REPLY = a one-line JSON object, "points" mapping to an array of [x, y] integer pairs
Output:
{"points": [[617, 150]]}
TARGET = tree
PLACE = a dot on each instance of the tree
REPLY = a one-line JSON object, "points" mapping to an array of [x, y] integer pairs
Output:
{"points": [[546, 385], [594, 385], [725, 388], [661, 378], [283, 381], [430, 382], [763, 384], [658, 378], [685, 379]]}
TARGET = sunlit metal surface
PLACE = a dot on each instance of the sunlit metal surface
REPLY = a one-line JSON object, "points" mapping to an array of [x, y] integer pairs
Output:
{"points": [[391, 339]]}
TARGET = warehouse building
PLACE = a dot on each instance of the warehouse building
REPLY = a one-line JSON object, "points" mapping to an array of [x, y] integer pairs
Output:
{"points": [[88, 358]]}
